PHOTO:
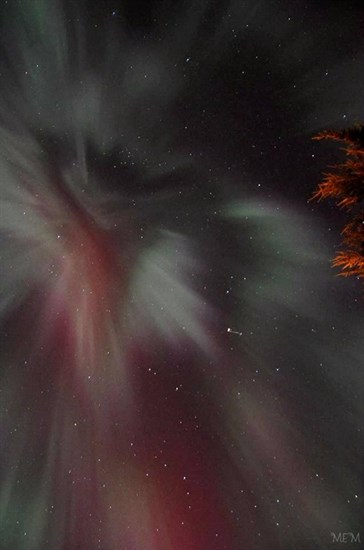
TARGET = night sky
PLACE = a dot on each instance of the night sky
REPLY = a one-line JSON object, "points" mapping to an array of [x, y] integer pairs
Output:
{"points": [[181, 367]]}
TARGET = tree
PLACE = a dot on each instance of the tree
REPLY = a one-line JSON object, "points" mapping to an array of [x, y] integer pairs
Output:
{"points": [[345, 184]]}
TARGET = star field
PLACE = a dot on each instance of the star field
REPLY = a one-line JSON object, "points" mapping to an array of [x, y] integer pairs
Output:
{"points": [[180, 367]]}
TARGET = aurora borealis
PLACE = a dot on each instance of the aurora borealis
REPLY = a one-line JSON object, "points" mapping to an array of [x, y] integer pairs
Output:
{"points": [[180, 367]]}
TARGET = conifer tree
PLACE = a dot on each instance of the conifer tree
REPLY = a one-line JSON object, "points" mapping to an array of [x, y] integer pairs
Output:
{"points": [[345, 184]]}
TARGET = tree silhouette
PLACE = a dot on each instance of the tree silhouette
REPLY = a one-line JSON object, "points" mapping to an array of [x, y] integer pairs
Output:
{"points": [[345, 184]]}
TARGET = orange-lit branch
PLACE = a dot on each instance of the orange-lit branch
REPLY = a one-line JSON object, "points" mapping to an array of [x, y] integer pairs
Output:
{"points": [[350, 262], [346, 186]]}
